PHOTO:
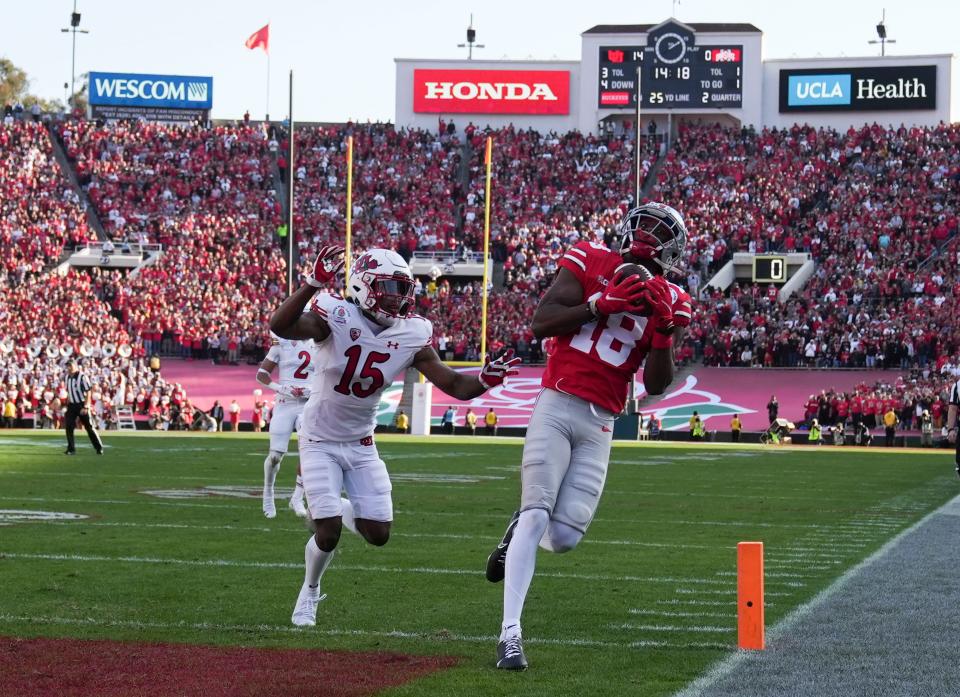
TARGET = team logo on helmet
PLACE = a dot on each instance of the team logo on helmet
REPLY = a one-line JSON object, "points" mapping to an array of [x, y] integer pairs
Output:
{"points": [[365, 262]]}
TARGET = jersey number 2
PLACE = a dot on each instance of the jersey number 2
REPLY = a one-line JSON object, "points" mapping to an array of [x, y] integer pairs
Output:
{"points": [[366, 372], [301, 372]]}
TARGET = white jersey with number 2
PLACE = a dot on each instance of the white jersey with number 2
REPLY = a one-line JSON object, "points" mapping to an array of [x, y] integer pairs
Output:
{"points": [[294, 361], [355, 364]]}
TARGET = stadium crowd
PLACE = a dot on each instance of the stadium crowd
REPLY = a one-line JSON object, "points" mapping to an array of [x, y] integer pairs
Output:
{"points": [[39, 212], [868, 205]]}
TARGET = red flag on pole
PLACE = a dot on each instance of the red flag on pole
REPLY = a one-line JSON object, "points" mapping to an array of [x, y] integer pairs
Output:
{"points": [[261, 37]]}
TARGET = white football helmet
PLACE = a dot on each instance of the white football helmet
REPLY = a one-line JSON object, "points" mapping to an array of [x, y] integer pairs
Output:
{"points": [[381, 284], [655, 232]]}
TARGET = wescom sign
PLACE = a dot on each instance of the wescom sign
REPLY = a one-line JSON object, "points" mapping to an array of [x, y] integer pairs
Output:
{"points": [[491, 91]]}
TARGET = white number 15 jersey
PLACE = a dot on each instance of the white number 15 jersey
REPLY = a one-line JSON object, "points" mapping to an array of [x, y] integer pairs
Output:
{"points": [[355, 364]]}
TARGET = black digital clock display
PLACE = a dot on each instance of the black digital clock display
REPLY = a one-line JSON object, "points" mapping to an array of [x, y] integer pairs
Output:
{"points": [[674, 73]]}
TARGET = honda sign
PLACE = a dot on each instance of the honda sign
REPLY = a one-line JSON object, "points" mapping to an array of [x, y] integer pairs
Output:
{"points": [[491, 92]]}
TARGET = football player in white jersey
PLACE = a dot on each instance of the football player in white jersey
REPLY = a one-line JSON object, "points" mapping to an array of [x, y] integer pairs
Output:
{"points": [[361, 344], [295, 362]]}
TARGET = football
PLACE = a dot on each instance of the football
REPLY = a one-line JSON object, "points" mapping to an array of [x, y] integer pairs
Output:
{"points": [[628, 270]]}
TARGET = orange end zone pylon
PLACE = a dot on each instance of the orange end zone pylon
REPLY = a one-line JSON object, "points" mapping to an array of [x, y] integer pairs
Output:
{"points": [[750, 595]]}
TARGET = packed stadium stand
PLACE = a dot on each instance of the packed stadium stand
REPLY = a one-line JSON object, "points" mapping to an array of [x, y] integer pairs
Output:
{"points": [[876, 209]]}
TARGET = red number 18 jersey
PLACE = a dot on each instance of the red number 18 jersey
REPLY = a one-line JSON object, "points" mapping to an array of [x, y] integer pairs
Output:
{"points": [[598, 361]]}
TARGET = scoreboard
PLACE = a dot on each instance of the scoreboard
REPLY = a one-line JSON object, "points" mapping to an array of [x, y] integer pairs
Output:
{"points": [[675, 73]]}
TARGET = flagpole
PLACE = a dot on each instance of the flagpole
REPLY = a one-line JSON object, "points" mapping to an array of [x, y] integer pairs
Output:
{"points": [[268, 86], [291, 232]]}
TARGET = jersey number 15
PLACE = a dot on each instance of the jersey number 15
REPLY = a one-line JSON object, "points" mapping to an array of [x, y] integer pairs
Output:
{"points": [[367, 372]]}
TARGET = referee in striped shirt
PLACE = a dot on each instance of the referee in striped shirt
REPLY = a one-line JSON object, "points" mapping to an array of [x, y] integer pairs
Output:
{"points": [[952, 410], [78, 407]]}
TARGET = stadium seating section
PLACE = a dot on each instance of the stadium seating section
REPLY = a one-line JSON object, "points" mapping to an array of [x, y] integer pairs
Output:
{"points": [[875, 207]]}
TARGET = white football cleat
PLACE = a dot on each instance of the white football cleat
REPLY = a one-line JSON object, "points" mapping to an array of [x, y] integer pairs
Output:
{"points": [[305, 611], [269, 508], [297, 506]]}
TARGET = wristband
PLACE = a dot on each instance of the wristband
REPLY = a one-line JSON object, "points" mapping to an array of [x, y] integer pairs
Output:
{"points": [[592, 306], [275, 386], [662, 341]]}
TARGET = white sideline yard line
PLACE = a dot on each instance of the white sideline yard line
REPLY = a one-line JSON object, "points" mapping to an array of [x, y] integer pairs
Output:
{"points": [[392, 634], [691, 591], [673, 613], [414, 535], [704, 629], [172, 526], [450, 514], [706, 603], [233, 563], [775, 574], [136, 502], [113, 475], [729, 664]]}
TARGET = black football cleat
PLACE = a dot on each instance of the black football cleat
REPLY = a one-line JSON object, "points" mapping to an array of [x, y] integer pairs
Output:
{"points": [[510, 654], [100, 452], [69, 452], [496, 562]]}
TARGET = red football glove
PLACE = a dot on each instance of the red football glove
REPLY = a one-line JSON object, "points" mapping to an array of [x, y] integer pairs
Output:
{"points": [[328, 264], [496, 372], [660, 302], [626, 295]]}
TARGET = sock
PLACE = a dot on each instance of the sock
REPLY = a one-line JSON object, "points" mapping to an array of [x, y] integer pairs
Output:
{"points": [[349, 521], [520, 564], [316, 562], [271, 466], [298, 488]]}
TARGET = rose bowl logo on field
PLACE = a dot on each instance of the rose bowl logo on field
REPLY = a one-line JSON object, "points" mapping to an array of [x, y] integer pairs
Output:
{"points": [[491, 91]]}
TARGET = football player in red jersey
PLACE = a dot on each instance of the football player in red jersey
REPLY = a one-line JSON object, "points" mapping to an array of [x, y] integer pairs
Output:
{"points": [[605, 323]]}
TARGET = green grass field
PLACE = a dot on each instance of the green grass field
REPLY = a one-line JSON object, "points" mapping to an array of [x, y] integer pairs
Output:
{"points": [[642, 607]]}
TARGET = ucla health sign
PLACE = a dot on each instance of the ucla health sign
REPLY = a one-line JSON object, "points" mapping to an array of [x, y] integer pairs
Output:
{"points": [[908, 87], [154, 97]]}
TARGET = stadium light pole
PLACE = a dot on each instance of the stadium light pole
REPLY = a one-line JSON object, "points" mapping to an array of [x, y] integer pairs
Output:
{"points": [[74, 29], [882, 34], [471, 40]]}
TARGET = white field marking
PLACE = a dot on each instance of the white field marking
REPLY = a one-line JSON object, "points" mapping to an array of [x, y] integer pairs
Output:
{"points": [[674, 613], [179, 504], [742, 496], [451, 514], [233, 563], [706, 629], [825, 558], [729, 664], [830, 548], [702, 603], [416, 535], [766, 574], [708, 591], [105, 476], [441, 638], [645, 643], [177, 526]]}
